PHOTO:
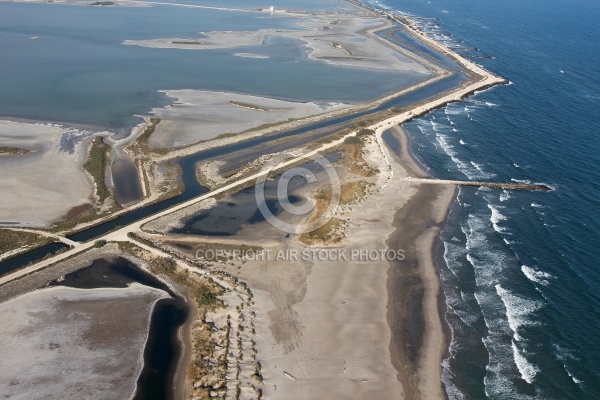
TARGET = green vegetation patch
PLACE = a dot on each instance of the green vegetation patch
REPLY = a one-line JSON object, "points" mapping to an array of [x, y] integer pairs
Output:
{"points": [[11, 240], [96, 164], [186, 42], [353, 140], [13, 150], [204, 292], [149, 130], [248, 105]]}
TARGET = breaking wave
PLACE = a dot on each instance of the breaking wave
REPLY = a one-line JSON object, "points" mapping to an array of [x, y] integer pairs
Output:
{"points": [[518, 311], [528, 370], [538, 277]]}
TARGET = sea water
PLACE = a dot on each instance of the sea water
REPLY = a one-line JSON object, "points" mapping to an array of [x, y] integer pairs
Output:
{"points": [[520, 269]]}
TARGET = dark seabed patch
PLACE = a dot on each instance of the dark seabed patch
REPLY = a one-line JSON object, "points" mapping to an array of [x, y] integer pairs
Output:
{"points": [[126, 181]]}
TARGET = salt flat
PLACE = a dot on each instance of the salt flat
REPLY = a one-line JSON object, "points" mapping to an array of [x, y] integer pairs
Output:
{"points": [[199, 115], [66, 343], [336, 39], [32, 186]]}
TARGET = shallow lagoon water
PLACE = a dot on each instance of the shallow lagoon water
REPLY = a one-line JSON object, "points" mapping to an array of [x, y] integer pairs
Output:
{"points": [[78, 71]]}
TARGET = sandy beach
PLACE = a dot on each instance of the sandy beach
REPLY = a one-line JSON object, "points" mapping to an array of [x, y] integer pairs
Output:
{"points": [[414, 315]]}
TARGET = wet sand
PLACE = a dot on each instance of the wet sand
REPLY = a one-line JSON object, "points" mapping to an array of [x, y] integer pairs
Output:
{"points": [[338, 39], [414, 314], [200, 115]]}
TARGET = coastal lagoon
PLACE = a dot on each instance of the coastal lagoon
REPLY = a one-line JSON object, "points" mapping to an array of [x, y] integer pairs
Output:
{"points": [[79, 72], [84, 336]]}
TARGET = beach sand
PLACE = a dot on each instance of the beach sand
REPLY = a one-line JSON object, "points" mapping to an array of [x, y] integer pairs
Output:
{"points": [[361, 328], [355, 327], [418, 337]]}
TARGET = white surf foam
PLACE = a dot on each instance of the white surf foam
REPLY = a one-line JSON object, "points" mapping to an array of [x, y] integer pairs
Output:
{"points": [[575, 380], [496, 217], [505, 196], [487, 263], [473, 171], [453, 110], [380, 4], [519, 310], [504, 313], [452, 253], [479, 167], [538, 277], [563, 353], [500, 371], [528, 370]]}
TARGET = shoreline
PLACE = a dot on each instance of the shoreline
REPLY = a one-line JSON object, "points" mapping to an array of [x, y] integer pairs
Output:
{"points": [[181, 384], [418, 345], [401, 23]]}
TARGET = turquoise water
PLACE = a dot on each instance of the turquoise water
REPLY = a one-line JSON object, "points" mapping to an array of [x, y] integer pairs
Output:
{"points": [[519, 269], [79, 72]]}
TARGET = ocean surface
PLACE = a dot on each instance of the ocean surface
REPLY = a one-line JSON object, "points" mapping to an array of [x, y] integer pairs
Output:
{"points": [[520, 270]]}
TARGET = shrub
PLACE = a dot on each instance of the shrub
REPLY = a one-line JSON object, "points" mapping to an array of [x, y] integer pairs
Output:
{"points": [[352, 140]]}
